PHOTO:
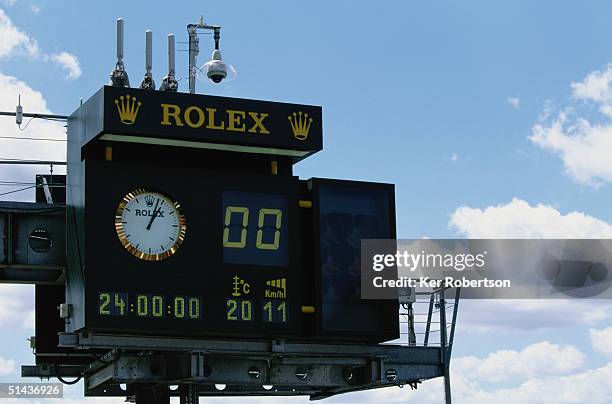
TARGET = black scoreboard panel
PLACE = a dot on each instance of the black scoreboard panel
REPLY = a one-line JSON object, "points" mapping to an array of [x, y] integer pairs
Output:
{"points": [[345, 212], [237, 272], [236, 256]]}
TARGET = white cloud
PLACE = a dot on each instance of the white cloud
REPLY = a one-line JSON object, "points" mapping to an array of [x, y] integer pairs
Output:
{"points": [[14, 40], [514, 101], [16, 307], [7, 366], [454, 157], [601, 340], [35, 9], [533, 361], [519, 219], [530, 315], [584, 146], [595, 87], [69, 62], [9, 3], [590, 386]]}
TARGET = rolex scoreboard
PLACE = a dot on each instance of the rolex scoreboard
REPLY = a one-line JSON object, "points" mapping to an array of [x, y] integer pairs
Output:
{"points": [[185, 219]]}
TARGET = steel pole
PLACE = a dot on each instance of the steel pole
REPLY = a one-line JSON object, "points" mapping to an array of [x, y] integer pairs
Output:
{"points": [[444, 349], [191, 394]]}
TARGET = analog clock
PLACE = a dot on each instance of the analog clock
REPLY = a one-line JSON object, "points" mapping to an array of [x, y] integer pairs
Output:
{"points": [[150, 225]]}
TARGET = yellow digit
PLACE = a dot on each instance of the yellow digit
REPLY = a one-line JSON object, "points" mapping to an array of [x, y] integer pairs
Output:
{"points": [[141, 305], [194, 307], [119, 302], [179, 307], [246, 310], [106, 299], [231, 308], [262, 216], [243, 233], [158, 304], [268, 310], [283, 309]]}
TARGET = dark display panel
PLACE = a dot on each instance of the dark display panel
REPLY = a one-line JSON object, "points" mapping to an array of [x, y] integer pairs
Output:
{"points": [[236, 273], [345, 213]]}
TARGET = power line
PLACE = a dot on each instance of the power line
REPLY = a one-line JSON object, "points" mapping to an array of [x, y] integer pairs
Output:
{"points": [[16, 183], [17, 190], [33, 138], [32, 162], [8, 184], [41, 116]]}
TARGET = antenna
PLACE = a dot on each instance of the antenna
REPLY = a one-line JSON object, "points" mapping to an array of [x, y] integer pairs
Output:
{"points": [[169, 82], [171, 55], [120, 41], [147, 82], [119, 77]]}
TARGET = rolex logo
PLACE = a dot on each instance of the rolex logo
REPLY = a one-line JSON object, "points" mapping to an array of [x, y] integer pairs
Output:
{"points": [[149, 199], [128, 109], [300, 123]]}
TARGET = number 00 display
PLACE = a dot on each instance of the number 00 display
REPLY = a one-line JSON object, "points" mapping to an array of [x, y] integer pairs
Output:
{"points": [[255, 229], [259, 243]]}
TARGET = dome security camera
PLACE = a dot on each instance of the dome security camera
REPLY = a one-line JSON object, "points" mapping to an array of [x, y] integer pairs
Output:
{"points": [[216, 69]]}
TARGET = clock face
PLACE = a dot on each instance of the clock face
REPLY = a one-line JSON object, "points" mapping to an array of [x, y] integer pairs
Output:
{"points": [[150, 225]]}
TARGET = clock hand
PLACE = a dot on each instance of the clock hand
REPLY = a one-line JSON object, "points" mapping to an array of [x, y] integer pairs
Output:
{"points": [[153, 216]]}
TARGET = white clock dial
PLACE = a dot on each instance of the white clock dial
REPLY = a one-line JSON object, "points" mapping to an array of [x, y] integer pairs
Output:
{"points": [[150, 225]]}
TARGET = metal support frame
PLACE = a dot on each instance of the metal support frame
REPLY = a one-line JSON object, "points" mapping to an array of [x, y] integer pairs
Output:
{"points": [[293, 368], [149, 364], [13, 270], [444, 348], [428, 325]]}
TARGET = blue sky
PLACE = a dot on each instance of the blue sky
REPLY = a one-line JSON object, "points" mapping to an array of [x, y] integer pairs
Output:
{"points": [[490, 117]]}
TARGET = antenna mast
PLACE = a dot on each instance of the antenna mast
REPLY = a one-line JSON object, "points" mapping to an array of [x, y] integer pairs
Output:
{"points": [[148, 83], [169, 82], [119, 77]]}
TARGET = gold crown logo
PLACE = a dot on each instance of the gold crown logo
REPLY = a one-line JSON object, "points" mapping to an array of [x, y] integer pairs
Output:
{"points": [[300, 123], [127, 111]]}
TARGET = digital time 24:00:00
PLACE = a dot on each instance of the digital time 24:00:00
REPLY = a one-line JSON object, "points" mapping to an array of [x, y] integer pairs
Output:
{"points": [[123, 304]]}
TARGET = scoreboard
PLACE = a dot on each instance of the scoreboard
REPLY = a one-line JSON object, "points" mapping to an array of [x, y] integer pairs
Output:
{"points": [[177, 227], [235, 270]]}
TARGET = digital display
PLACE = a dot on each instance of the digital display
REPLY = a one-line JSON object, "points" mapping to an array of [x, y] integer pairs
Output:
{"points": [[255, 229], [272, 311], [125, 304]]}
